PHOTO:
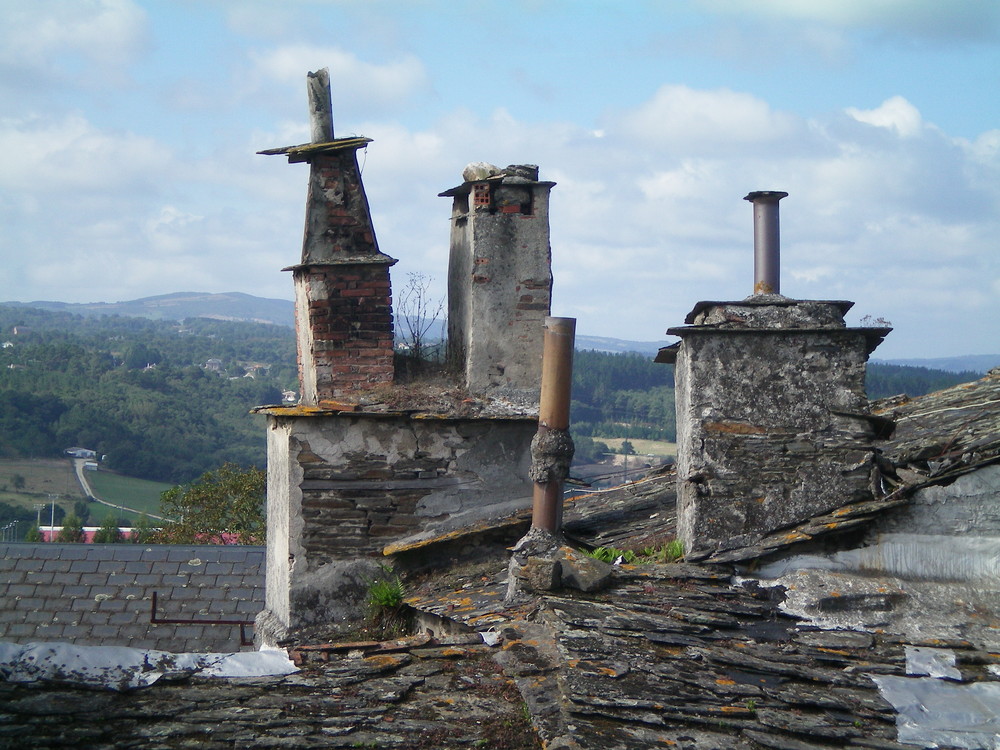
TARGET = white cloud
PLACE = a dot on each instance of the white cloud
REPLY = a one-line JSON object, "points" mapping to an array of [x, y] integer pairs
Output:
{"points": [[894, 113], [691, 120], [82, 42], [356, 84]]}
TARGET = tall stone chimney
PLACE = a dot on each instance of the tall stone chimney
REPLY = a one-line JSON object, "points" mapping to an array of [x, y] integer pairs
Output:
{"points": [[499, 278], [343, 298], [772, 415]]}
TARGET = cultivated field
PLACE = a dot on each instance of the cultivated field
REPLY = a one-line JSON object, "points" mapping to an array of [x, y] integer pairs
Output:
{"points": [[643, 447], [138, 494], [44, 479]]}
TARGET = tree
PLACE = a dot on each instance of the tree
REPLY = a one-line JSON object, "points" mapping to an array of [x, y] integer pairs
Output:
{"points": [[18, 481], [416, 313], [71, 531], [627, 448], [225, 506], [34, 534], [142, 531], [109, 533]]}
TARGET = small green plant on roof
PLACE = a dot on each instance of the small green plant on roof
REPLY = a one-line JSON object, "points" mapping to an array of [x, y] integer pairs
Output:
{"points": [[385, 604], [613, 555], [667, 553]]}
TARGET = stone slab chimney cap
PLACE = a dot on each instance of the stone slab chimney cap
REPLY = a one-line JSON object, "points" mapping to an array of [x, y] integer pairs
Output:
{"points": [[765, 195]]}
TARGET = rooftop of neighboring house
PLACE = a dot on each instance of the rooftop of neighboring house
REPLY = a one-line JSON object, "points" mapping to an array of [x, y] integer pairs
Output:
{"points": [[102, 594]]}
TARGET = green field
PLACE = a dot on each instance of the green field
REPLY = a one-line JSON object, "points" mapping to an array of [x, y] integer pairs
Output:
{"points": [[44, 480], [642, 447], [34, 483], [139, 495]]}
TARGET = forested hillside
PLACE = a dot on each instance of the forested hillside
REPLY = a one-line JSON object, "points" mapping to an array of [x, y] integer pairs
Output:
{"points": [[169, 401], [138, 390], [628, 395]]}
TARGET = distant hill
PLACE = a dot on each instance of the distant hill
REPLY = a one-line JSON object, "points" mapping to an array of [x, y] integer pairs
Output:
{"points": [[234, 306], [237, 306], [980, 363]]}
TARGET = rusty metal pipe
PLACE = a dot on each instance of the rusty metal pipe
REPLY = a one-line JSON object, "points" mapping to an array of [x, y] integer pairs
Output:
{"points": [[553, 412], [766, 241]]}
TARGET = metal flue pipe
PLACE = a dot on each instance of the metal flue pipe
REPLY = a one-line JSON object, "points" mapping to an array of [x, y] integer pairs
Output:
{"points": [[766, 241], [552, 448]]}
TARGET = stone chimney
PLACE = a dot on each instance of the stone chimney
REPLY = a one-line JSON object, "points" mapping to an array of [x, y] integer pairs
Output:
{"points": [[343, 298], [499, 278], [772, 415]]}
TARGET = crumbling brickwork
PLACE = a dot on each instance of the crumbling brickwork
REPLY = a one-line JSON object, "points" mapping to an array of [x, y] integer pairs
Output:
{"points": [[347, 343]]}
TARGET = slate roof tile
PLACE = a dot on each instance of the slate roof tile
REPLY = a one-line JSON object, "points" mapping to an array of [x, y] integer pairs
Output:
{"points": [[101, 594]]}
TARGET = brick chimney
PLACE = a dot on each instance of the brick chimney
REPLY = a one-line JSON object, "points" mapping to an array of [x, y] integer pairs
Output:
{"points": [[343, 298], [499, 278]]}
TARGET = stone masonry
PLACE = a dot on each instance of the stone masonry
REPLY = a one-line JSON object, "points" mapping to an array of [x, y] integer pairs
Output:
{"points": [[772, 417], [342, 486]]}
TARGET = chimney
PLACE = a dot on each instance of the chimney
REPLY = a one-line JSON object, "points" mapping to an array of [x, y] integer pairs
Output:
{"points": [[766, 241], [499, 278], [343, 298], [772, 426]]}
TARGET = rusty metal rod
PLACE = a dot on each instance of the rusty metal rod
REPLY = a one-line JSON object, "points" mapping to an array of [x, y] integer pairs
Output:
{"points": [[766, 241], [553, 412], [156, 620]]}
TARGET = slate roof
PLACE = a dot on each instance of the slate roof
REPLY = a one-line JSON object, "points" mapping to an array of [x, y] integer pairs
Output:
{"points": [[101, 594]]}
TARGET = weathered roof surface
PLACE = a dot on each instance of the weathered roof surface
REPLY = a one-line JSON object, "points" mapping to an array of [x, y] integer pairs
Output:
{"points": [[944, 433], [101, 594], [419, 693]]}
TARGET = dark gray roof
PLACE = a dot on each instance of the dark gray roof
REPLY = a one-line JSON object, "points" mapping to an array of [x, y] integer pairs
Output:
{"points": [[101, 594]]}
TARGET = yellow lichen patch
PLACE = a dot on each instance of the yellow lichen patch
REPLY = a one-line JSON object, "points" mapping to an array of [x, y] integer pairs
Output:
{"points": [[724, 681], [733, 428], [453, 651], [839, 652], [841, 511], [383, 661], [795, 536], [573, 662], [735, 710]]}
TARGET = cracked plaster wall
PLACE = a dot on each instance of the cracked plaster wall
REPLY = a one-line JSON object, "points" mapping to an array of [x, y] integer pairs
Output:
{"points": [[341, 487], [500, 284]]}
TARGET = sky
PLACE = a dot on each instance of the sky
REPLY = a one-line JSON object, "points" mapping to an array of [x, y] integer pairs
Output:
{"points": [[129, 131]]}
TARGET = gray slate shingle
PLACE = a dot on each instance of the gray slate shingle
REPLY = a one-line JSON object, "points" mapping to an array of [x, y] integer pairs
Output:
{"points": [[102, 594]]}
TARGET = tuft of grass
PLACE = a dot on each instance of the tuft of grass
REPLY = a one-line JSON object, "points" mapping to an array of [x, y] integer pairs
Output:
{"points": [[612, 554], [667, 553], [386, 616]]}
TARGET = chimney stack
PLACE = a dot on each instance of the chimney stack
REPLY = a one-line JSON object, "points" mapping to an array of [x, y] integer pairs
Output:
{"points": [[766, 241]]}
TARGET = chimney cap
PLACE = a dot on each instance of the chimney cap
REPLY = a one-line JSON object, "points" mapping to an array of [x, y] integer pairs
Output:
{"points": [[765, 195]]}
